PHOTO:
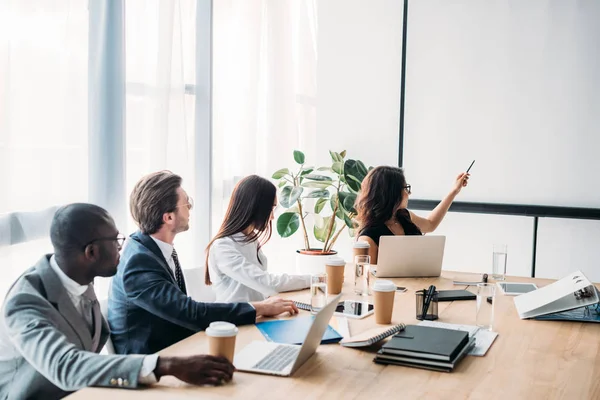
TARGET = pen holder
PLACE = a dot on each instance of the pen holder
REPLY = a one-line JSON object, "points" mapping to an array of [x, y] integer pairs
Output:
{"points": [[432, 311]]}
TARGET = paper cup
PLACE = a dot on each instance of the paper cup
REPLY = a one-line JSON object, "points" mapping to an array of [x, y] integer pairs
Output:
{"points": [[384, 292], [360, 248], [334, 267], [221, 339]]}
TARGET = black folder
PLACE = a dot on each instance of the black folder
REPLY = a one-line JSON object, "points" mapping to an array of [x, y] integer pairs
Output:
{"points": [[451, 295], [427, 342]]}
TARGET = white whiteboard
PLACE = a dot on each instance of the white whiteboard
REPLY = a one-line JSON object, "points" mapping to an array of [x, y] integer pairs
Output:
{"points": [[512, 84]]}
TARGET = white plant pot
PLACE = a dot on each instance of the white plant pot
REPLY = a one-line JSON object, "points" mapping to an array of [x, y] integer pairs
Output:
{"points": [[311, 263]]}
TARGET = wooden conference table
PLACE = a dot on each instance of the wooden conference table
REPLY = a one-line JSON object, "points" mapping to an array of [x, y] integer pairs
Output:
{"points": [[529, 359]]}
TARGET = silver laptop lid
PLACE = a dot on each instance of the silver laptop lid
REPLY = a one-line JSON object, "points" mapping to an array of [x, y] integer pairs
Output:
{"points": [[410, 256], [315, 333]]}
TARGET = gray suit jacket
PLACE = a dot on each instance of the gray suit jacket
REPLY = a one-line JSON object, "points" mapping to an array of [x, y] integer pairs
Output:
{"points": [[53, 340]]}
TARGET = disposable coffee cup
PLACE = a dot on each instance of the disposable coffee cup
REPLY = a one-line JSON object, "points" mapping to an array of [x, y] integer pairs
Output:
{"points": [[334, 267], [221, 339], [360, 248], [384, 292]]}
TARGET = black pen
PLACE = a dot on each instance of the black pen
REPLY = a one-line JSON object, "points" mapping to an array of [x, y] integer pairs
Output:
{"points": [[468, 169], [427, 300]]}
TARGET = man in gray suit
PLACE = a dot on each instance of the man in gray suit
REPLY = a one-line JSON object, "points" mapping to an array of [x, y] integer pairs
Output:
{"points": [[51, 328]]}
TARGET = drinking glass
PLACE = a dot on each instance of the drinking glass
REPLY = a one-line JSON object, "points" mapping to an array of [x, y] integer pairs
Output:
{"points": [[318, 292], [362, 269], [484, 316], [499, 262]]}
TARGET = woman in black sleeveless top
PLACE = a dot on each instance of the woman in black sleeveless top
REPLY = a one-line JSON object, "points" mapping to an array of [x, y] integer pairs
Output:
{"points": [[381, 207]]}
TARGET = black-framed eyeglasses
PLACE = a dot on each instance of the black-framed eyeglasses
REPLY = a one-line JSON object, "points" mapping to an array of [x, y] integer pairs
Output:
{"points": [[408, 189], [120, 239]]}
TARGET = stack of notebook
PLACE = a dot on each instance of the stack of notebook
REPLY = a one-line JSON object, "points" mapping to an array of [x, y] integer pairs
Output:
{"points": [[437, 349]]}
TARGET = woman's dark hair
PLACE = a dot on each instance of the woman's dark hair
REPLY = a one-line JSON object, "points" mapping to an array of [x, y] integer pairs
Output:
{"points": [[381, 192], [251, 205], [153, 196]]}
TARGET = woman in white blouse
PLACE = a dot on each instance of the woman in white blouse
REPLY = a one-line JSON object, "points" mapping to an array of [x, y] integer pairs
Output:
{"points": [[235, 265]]}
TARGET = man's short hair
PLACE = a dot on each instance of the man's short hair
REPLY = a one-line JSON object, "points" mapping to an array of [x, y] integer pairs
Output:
{"points": [[152, 197], [75, 225]]}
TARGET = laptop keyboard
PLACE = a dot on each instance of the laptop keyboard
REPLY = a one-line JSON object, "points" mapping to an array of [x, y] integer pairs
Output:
{"points": [[278, 359]]}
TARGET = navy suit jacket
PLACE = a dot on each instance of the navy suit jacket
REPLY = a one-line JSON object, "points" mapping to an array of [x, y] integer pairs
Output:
{"points": [[146, 309]]}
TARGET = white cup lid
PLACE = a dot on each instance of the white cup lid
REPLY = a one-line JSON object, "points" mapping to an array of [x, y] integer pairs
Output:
{"points": [[383, 285], [361, 244], [335, 260], [221, 329]]}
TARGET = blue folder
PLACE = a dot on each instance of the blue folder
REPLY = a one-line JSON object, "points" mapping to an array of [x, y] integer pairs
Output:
{"points": [[581, 314], [294, 331]]}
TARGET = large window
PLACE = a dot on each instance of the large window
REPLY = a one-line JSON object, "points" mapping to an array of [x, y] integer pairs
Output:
{"points": [[160, 87], [43, 120], [264, 98]]}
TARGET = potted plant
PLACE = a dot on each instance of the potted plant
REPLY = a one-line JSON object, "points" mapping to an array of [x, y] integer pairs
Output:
{"points": [[333, 188]]}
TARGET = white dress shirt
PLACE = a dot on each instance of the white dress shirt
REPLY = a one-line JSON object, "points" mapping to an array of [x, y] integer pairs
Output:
{"points": [[75, 292], [167, 251], [237, 275]]}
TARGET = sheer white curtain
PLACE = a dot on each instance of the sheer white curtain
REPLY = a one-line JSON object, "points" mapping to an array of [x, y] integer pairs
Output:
{"points": [[160, 76], [264, 90], [43, 121]]}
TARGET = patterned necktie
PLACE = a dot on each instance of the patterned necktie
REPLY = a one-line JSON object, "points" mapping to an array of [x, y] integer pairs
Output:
{"points": [[178, 273], [93, 317]]}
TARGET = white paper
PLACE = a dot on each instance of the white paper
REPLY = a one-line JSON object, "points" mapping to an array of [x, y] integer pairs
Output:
{"points": [[483, 337]]}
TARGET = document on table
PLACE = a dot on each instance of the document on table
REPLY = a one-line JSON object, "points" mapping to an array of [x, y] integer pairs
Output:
{"points": [[483, 337]]}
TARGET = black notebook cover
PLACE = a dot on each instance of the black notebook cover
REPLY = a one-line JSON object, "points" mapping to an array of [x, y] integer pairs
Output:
{"points": [[452, 295], [427, 342], [445, 366]]}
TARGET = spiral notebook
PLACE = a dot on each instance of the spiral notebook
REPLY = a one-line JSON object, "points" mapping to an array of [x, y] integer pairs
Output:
{"points": [[372, 336]]}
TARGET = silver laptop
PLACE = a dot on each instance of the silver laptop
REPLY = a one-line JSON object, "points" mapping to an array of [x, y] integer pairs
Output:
{"points": [[284, 359], [410, 256]]}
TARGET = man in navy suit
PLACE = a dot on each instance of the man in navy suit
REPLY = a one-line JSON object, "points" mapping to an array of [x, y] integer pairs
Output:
{"points": [[148, 307]]}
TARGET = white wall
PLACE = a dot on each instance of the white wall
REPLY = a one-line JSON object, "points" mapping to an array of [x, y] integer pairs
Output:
{"points": [[470, 237], [358, 82], [566, 245], [358, 101]]}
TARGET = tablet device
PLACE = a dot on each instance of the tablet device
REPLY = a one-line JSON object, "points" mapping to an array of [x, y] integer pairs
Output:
{"points": [[516, 288], [354, 309]]}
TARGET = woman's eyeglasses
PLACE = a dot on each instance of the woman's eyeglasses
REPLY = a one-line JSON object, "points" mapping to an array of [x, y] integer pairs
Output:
{"points": [[408, 189]]}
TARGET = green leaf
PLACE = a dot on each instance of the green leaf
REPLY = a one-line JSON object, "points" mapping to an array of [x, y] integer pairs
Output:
{"points": [[354, 172], [280, 173], [315, 177], [306, 171], [287, 224], [282, 183], [289, 195], [316, 184], [338, 168], [349, 222], [299, 156], [339, 213], [320, 229], [318, 194], [332, 200], [343, 154], [325, 169], [336, 157], [320, 204], [347, 201]]}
